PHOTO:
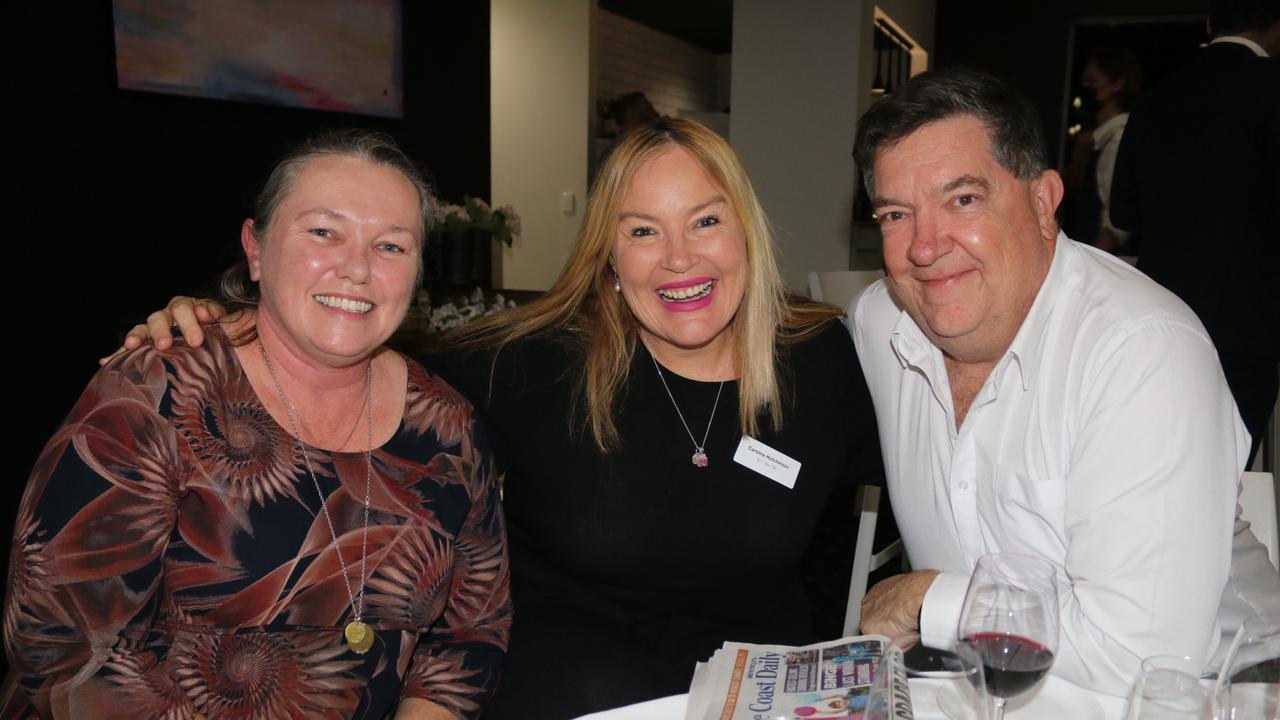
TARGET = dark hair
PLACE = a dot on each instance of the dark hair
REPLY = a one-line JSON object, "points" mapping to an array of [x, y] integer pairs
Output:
{"points": [[1229, 17], [236, 289], [623, 104], [1119, 63], [1013, 126]]}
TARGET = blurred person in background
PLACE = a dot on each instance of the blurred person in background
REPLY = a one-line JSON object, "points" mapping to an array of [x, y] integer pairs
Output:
{"points": [[1112, 82], [1198, 177]]}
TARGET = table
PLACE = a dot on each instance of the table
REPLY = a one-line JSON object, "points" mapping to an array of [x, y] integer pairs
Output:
{"points": [[924, 698]]}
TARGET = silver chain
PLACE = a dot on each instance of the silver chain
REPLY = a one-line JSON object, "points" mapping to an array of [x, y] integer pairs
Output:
{"points": [[356, 598], [696, 447]]}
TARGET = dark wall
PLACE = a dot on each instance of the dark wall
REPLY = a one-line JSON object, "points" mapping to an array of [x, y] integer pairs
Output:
{"points": [[1025, 43], [121, 199]]}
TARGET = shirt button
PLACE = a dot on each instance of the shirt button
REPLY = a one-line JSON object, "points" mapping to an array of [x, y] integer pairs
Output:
{"points": [[964, 485]]}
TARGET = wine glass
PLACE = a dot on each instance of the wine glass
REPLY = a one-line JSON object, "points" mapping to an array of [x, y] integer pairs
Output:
{"points": [[1172, 687], [1010, 620]]}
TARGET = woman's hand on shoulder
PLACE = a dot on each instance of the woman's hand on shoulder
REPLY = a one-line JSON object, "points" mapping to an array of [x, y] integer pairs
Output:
{"points": [[182, 312]]}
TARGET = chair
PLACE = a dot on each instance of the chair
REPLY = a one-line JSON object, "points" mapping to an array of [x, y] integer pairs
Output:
{"points": [[1258, 507], [865, 561], [840, 287]]}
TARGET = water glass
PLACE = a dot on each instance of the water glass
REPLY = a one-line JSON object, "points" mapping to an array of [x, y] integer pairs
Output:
{"points": [[1171, 687], [1253, 666]]}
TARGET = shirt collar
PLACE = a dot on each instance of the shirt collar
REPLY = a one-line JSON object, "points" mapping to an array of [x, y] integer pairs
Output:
{"points": [[910, 344], [1109, 129], [1255, 47], [914, 351], [1028, 345], [913, 348]]}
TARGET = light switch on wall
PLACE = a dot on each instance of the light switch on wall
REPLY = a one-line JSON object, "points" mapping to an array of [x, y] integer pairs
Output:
{"points": [[568, 203]]}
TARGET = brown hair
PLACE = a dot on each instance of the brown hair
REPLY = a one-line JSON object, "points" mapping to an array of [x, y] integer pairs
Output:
{"points": [[1013, 126], [237, 290]]}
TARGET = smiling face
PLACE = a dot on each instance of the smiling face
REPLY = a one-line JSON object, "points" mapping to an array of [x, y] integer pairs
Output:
{"points": [[338, 265], [681, 259], [966, 243]]}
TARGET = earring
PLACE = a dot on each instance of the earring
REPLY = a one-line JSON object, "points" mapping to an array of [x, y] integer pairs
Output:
{"points": [[617, 283]]}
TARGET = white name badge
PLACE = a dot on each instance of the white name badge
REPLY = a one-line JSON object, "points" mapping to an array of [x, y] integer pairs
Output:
{"points": [[755, 455]]}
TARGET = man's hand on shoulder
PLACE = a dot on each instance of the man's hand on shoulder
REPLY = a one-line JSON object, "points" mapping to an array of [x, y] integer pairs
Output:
{"points": [[892, 607]]}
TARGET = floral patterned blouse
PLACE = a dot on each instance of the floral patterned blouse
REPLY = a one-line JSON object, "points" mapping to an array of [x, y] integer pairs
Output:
{"points": [[171, 559]]}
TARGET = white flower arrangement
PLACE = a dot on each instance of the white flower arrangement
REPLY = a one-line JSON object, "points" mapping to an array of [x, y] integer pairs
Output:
{"points": [[463, 309]]}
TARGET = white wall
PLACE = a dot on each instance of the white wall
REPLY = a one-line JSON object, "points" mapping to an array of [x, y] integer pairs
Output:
{"points": [[797, 92], [540, 107], [678, 77], [794, 106], [795, 78]]}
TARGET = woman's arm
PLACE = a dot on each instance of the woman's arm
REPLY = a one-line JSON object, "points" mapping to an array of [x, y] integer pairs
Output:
{"points": [[456, 664], [92, 527]]}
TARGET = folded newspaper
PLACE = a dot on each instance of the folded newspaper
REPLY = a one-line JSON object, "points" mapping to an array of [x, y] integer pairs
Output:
{"points": [[852, 678]]}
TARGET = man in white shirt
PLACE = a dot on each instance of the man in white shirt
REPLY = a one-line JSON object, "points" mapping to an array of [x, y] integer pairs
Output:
{"points": [[1038, 396]]}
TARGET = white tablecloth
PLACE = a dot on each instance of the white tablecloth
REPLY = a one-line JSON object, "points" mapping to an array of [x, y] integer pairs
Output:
{"points": [[660, 709], [1055, 699]]}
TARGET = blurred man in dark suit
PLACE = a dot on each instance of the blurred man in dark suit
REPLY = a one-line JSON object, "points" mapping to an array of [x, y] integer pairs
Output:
{"points": [[1198, 176]]}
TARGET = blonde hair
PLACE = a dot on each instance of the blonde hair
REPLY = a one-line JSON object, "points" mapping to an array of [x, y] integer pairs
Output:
{"points": [[583, 301]]}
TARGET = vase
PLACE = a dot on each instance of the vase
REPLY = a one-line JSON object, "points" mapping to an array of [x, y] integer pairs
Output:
{"points": [[461, 257]]}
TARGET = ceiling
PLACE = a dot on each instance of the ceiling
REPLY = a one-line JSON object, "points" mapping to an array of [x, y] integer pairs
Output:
{"points": [[705, 23]]}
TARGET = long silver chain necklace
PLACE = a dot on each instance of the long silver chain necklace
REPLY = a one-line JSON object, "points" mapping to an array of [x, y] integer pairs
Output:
{"points": [[699, 449], [359, 635]]}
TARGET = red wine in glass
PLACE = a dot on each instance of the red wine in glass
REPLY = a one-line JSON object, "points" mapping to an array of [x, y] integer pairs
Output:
{"points": [[1011, 664], [1010, 620]]}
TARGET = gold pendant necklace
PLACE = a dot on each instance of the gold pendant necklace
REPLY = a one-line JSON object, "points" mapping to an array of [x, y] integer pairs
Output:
{"points": [[359, 636]]}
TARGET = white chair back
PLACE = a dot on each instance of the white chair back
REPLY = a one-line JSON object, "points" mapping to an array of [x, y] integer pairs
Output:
{"points": [[1258, 507], [865, 559], [840, 287]]}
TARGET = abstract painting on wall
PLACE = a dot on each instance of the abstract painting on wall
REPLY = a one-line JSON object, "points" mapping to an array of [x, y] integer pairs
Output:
{"points": [[339, 55]]}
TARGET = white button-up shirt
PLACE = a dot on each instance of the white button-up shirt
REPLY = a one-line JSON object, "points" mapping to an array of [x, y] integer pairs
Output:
{"points": [[1106, 142], [1105, 441]]}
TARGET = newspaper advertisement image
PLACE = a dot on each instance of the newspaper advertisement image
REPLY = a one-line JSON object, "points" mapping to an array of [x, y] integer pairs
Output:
{"points": [[832, 680]]}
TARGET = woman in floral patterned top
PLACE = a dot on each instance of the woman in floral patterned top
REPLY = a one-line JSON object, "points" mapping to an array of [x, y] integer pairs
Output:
{"points": [[288, 521]]}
